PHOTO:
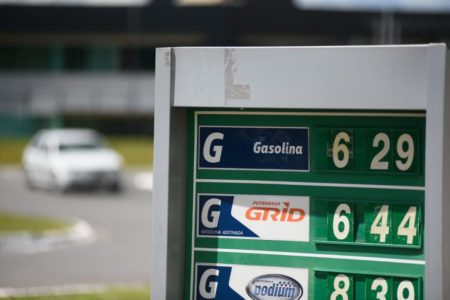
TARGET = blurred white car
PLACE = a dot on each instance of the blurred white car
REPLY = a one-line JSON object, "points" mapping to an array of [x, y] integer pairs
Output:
{"points": [[65, 158]]}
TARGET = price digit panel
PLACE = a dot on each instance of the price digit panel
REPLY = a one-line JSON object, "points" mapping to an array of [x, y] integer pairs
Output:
{"points": [[337, 286], [370, 150], [369, 223]]}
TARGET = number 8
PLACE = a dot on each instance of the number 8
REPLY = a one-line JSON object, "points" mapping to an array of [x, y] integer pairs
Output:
{"points": [[338, 290]]}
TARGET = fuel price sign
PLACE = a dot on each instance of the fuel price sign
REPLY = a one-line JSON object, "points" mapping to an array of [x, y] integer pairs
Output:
{"points": [[293, 173], [330, 203]]}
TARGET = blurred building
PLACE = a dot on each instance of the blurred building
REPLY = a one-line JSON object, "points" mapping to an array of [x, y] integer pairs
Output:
{"points": [[91, 62]]}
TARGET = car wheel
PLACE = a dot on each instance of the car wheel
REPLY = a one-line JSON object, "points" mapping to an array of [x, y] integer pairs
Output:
{"points": [[58, 186], [115, 187], [28, 181]]}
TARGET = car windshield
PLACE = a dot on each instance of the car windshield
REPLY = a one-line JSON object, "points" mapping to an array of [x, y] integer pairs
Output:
{"points": [[84, 146], [81, 142]]}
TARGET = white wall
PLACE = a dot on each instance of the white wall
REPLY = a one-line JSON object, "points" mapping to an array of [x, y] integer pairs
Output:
{"points": [[45, 94]]}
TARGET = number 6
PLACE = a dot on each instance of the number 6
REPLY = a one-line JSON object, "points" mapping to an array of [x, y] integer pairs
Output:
{"points": [[340, 218], [341, 147]]}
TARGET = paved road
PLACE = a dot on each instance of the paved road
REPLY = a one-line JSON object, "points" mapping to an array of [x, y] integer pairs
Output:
{"points": [[120, 255]]}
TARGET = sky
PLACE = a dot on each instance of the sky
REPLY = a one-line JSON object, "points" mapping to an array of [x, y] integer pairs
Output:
{"points": [[435, 6]]}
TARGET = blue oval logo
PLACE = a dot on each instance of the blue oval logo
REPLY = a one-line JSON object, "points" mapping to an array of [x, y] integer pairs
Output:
{"points": [[274, 287]]}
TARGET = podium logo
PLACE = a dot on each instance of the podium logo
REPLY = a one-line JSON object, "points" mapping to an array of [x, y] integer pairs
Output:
{"points": [[274, 287], [212, 154], [273, 211]]}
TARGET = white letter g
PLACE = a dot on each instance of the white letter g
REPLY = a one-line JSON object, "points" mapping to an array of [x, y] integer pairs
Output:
{"points": [[216, 149], [208, 292]]}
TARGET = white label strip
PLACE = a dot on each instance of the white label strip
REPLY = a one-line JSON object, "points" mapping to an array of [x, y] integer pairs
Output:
{"points": [[321, 184], [332, 256]]}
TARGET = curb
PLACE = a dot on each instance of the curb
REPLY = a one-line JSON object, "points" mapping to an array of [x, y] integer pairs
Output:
{"points": [[54, 291], [79, 234], [76, 289]]}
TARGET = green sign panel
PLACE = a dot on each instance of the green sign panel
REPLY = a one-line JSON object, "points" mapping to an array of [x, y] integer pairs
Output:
{"points": [[305, 205]]}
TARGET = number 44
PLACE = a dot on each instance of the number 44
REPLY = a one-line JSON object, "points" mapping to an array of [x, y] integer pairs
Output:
{"points": [[406, 228]]}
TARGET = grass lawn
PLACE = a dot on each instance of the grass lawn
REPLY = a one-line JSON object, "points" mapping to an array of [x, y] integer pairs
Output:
{"points": [[11, 150], [136, 293], [136, 151], [13, 222]]}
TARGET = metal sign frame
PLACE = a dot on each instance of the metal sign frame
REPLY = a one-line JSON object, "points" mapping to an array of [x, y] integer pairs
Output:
{"points": [[393, 78]]}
